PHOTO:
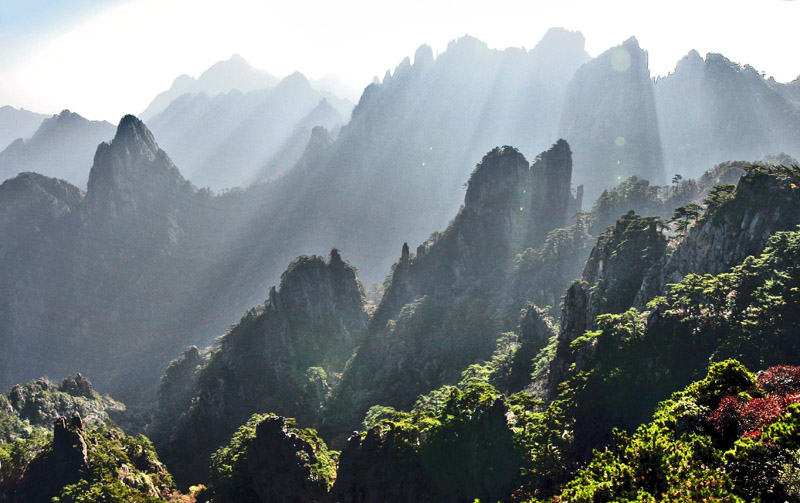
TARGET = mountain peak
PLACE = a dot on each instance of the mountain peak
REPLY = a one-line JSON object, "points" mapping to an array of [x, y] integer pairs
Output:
{"points": [[557, 38], [423, 56], [131, 166], [692, 60], [499, 172], [632, 43], [295, 80], [131, 128]]}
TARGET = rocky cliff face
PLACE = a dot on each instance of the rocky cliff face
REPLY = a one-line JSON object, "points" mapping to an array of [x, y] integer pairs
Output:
{"points": [[761, 205], [63, 465], [80, 463], [62, 147], [31, 204], [711, 110], [446, 305], [277, 462], [470, 458], [278, 358], [612, 278], [122, 238], [135, 187], [396, 171], [631, 264], [609, 118]]}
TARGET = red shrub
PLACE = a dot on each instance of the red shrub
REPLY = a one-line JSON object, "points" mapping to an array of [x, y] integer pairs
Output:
{"points": [[758, 413], [725, 419]]}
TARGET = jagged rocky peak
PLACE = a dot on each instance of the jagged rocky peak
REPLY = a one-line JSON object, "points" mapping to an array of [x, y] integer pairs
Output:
{"points": [[68, 439], [24, 185], [619, 264], [718, 64], [308, 328], [132, 133], [496, 179], [315, 149], [609, 118], [77, 385], [313, 284], [62, 119], [132, 168], [466, 46], [551, 191], [64, 464], [281, 463]]}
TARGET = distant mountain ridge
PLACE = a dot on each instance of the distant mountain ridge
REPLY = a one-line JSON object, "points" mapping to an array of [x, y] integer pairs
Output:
{"points": [[234, 139], [222, 77], [62, 147], [394, 174], [16, 123], [711, 110]]}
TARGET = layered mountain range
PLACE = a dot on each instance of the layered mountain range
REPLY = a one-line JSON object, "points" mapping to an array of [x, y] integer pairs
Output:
{"points": [[17, 123], [118, 279], [448, 344], [61, 147], [221, 78], [236, 138]]}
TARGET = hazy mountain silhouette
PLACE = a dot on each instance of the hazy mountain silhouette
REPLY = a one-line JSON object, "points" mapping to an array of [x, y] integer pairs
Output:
{"points": [[221, 77], [609, 118], [396, 171], [712, 110], [230, 139], [16, 123], [145, 263], [62, 147]]}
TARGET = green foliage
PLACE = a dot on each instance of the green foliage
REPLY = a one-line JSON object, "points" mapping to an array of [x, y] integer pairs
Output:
{"points": [[677, 456], [17, 455], [230, 474], [466, 447], [35, 405], [786, 431], [719, 196], [632, 360], [651, 466], [632, 194], [625, 253], [121, 468], [541, 275], [375, 415], [791, 173], [226, 462], [324, 463]]}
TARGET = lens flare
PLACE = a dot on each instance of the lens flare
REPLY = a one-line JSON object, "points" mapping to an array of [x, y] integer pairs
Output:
{"points": [[620, 60]]}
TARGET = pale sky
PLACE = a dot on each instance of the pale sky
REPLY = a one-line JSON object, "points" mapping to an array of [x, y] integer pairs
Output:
{"points": [[105, 58]]}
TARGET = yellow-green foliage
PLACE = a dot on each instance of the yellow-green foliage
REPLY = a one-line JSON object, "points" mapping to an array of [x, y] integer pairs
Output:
{"points": [[122, 468], [680, 456], [228, 472]]}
